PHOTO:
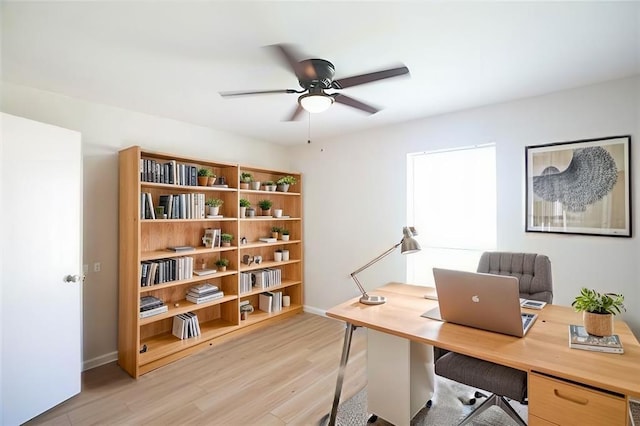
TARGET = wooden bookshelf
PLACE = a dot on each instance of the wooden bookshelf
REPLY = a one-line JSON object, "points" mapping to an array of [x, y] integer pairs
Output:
{"points": [[147, 343]]}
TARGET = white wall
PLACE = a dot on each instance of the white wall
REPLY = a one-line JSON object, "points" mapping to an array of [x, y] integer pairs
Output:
{"points": [[105, 130], [355, 192]]}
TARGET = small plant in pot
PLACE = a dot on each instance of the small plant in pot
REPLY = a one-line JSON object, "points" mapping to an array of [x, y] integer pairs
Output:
{"points": [[269, 185], [245, 179], [226, 239], [244, 203], [275, 231], [214, 206], [284, 182], [203, 176], [285, 234], [598, 310], [222, 264], [265, 205]]}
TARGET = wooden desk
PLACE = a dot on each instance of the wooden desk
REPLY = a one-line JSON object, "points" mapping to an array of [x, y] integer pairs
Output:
{"points": [[555, 371]]}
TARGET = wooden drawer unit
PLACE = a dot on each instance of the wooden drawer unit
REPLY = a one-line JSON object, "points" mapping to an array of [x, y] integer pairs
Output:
{"points": [[554, 401]]}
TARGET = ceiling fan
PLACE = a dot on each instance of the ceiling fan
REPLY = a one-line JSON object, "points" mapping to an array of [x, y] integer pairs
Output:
{"points": [[315, 76]]}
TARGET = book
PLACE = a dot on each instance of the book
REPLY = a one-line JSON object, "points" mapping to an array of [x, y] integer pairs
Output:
{"points": [[203, 288], [180, 248], [532, 304], [265, 301], [580, 339], [268, 239], [203, 299], [154, 311], [200, 272]]}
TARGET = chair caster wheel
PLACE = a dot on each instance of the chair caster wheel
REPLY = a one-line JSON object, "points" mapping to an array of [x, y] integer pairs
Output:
{"points": [[372, 419], [429, 404]]}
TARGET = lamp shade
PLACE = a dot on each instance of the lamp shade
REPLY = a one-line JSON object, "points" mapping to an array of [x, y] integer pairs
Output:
{"points": [[315, 102], [409, 244]]}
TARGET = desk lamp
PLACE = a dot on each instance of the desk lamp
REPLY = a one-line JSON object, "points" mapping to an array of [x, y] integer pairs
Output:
{"points": [[409, 245]]}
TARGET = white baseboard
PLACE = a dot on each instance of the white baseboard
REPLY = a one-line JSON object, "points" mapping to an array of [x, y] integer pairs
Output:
{"points": [[98, 361], [314, 310]]}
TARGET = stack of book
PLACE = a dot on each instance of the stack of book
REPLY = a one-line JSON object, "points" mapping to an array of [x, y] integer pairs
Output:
{"points": [[160, 271], [186, 325], [150, 305], [580, 339], [204, 293]]}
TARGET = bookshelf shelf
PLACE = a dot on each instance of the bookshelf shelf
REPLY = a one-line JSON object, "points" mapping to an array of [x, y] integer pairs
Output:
{"points": [[146, 181]]}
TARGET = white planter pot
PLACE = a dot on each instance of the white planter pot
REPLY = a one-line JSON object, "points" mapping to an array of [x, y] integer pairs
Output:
{"points": [[255, 185], [285, 255], [277, 256], [214, 211], [285, 237], [243, 210]]}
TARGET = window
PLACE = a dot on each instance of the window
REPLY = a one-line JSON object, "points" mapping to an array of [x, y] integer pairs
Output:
{"points": [[451, 198]]}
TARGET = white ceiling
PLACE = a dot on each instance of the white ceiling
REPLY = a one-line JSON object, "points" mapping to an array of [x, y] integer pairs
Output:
{"points": [[170, 59]]}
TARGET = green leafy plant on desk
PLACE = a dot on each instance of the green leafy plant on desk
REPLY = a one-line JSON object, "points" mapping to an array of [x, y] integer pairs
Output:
{"points": [[598, 310]]}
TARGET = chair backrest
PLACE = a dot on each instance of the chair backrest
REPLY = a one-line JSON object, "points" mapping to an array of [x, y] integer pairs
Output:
{"points": [[532, 270]]}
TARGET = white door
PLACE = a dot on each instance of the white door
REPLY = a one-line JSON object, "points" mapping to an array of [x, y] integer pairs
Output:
{"points": [[40, 309]]}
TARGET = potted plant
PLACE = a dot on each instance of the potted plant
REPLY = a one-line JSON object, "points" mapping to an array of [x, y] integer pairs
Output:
{"points": [[265, 205], [274, 232], [277, 255], [598, 310], [226, 239], [214, 206], [250, 212], [284, 182], [245, 180], [254, 185], [244, 203], [222, 264], [203, 176], [285, 234], [269, 185]]}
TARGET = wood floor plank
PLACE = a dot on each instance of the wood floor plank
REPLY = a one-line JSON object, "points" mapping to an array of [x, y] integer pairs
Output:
{"points": [[276, 376]]}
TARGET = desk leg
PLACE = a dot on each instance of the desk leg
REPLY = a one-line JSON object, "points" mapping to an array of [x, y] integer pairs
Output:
{"points": [[343, 365]]}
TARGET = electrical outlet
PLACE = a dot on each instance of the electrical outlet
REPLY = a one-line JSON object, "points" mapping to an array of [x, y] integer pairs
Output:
{"points": [[97, 267]]}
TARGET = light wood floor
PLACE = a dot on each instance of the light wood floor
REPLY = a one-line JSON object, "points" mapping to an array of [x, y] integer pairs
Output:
{"points": [[281, 375]]}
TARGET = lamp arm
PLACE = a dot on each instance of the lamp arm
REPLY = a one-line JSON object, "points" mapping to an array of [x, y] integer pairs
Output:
{"points": [[362, 268]]}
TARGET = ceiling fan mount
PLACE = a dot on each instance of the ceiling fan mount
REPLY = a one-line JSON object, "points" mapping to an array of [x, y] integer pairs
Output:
{"points": [[317, 75]]}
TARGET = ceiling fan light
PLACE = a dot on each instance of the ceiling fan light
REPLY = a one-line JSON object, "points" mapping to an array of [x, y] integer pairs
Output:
{"points": [[315, 102]]}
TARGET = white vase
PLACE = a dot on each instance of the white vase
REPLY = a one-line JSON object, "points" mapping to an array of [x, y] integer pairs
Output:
{"points": [[277, 256], [277, 212], [285, 255], [243, 210]]}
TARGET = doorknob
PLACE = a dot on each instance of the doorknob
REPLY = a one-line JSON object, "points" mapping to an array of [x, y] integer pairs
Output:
{"points": [[72, 278]]}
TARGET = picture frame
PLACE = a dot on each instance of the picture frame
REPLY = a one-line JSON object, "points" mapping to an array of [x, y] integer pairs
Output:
{"points": [[579, 187]]}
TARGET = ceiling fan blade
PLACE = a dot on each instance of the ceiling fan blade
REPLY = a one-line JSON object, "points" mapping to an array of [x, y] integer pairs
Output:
{"points": [[255, 92], [291, 57], [296, 113], [356, 80], [354, 103]]}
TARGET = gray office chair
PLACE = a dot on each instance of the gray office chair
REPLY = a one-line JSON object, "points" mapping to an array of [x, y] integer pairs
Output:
{"points": [[534, 274]]}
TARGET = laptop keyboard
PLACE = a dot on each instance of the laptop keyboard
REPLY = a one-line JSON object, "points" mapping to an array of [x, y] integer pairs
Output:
{"points": [[526, 319]]}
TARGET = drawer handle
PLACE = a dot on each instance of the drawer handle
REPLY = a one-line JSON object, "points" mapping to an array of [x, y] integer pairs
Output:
{"points": [[581, 401]]}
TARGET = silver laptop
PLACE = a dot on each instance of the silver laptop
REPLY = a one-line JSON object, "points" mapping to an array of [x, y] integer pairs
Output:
{"points": [[486, 301]]}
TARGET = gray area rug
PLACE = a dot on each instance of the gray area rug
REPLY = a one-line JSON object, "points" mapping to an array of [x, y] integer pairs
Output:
{"points": [[447, 409]]}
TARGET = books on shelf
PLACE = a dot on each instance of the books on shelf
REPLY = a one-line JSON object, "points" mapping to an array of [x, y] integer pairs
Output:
{"points": [[260, 279], [186, 325], [268, 240], [181, 248], [151, 305], [160, 271], [203, 293], [201, 272], [580, 339], [270, 301], [532, 304]]}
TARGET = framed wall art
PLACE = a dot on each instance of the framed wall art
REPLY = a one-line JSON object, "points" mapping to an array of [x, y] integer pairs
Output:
{"points": [[580, 187]]}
